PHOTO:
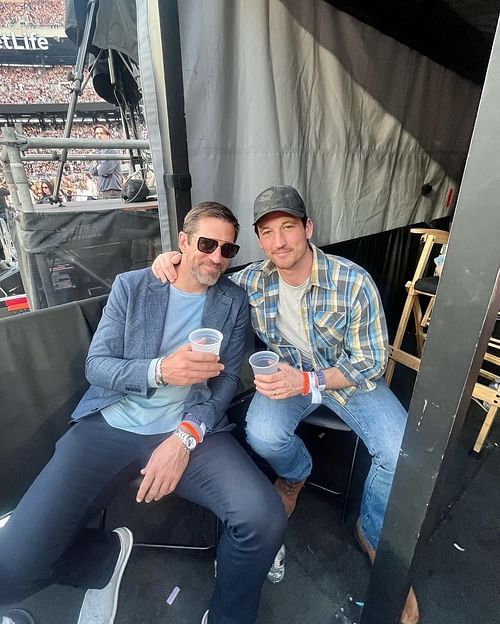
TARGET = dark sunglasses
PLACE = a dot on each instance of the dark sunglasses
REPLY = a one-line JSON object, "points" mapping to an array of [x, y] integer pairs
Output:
{"points": [[209, 245]]}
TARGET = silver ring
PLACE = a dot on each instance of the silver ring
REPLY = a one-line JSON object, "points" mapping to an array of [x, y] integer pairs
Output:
{"points": [[274, 392]]}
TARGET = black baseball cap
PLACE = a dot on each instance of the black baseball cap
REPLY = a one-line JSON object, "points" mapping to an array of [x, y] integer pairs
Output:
{"points": [[278, 199]]}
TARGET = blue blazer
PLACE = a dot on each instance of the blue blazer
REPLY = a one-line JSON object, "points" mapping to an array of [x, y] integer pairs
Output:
{"points": [[129, 336]]}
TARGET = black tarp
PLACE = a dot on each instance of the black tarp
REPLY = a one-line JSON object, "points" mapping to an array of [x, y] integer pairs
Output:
{"points": [[457, 34], [76, 254], [115, 25]]}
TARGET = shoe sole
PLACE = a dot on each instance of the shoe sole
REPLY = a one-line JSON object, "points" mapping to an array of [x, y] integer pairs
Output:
{"points": [[20, 616], [126, 543]]}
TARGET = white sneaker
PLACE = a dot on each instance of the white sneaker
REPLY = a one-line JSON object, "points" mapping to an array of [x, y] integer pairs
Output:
{"points": [[18, 616], [99, 605], [204, 619]]}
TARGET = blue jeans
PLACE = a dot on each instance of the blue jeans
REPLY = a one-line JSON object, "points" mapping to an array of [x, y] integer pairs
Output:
{"points": [[46, 542], [378, 419]]}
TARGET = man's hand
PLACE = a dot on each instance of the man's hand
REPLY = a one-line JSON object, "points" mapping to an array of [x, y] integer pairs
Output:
{"points": [[286, 383], [164, 266], [163, 470], [185, 367]]}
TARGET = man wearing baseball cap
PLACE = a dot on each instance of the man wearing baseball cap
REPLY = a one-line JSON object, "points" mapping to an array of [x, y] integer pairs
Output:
{"points": [[323, 316]]}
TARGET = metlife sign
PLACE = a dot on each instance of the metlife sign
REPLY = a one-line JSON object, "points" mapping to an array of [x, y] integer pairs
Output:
{"points": [[23, 42]]}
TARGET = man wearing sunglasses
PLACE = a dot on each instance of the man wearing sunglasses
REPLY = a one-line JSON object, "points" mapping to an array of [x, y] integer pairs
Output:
{"points": [[156, 409], [323, 315]]}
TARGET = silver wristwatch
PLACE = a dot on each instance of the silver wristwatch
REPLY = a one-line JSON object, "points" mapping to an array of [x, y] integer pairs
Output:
{"points": [[186, 438]]}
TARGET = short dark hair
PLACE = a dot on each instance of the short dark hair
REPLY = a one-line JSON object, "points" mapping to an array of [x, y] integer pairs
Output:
{"points": [[209, 209], [106, 130]]}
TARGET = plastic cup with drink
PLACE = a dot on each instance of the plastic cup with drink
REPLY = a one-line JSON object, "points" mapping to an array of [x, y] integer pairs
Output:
{"points": [[264, 362], [206, 339]]}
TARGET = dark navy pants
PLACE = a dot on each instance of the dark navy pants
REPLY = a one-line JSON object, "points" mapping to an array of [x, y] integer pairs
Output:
{"points": [[46, 540]]}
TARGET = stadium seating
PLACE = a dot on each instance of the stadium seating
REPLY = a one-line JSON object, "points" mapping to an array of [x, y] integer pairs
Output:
{"points": [[33, 13]]}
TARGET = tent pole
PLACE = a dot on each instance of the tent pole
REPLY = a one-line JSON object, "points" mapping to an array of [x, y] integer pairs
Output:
{"points": [[19, 188], [163, 94], [75, 91]]}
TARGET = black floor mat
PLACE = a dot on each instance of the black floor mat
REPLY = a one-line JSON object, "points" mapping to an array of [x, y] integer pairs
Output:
{"points": [[459, 577]]}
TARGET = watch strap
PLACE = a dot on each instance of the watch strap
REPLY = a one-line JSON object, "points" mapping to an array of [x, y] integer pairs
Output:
{"points": [[186, 438]]}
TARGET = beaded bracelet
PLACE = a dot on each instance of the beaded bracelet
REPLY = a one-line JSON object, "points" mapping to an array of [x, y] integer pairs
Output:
{"points": [[158, 376]]}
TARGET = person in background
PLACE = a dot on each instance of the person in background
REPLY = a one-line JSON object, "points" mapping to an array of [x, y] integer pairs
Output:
{"points": [[323, 316], [107, 172], [46, 190], [67, 187], [36, 191], [4, 193], [90, 186]]}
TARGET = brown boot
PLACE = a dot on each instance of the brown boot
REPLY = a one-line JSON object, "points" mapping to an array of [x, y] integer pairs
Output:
{"points": [[410, 613], [289, 491]]}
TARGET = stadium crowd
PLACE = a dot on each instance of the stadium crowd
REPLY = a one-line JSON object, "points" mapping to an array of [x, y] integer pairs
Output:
{"points": [[49, 84], [30, 84], [28, 14]]}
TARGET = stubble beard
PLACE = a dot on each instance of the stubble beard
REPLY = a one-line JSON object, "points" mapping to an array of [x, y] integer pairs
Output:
{"points": [[204, 277], [284, 261]]}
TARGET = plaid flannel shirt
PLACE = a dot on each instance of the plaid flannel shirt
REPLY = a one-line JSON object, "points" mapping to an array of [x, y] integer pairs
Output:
{"points": [[343, 316]]}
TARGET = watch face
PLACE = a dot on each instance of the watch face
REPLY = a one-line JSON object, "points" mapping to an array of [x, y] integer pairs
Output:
{"points": [[190, 442]]}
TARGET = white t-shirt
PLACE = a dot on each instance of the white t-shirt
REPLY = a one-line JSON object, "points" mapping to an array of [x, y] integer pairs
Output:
{"points": [[291, 315]]}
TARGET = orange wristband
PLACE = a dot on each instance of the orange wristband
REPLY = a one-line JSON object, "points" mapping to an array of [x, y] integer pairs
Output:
{"points": [[307, 384], [187, 426]]}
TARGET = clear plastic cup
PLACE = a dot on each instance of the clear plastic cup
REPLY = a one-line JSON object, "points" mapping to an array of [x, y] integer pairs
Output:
{"points": [[264, 362], [206, 339]]}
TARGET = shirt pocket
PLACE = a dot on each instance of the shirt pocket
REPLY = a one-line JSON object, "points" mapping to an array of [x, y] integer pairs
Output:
{"points": [[329, 329], [257, 311]]}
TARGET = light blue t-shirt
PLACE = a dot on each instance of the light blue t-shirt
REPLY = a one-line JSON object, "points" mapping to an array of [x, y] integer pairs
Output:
{"points": [[161, 412]]}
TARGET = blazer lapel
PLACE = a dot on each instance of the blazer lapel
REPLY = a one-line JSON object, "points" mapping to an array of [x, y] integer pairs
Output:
{"points": [[155, 312], [216, 308]]}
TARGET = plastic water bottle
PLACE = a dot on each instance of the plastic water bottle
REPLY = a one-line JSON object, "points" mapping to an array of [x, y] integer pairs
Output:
{"points": [[277, 571], [494, 385]]}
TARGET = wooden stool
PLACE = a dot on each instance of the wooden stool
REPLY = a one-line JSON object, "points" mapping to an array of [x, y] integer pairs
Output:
{"points": [[424, 285]]}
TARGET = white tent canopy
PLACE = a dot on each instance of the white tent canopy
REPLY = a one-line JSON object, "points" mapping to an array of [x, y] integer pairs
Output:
{"points": [[301, 93]]}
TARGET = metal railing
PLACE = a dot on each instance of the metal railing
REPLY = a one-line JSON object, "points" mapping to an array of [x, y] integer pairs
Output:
{"points": [[12, 159]]}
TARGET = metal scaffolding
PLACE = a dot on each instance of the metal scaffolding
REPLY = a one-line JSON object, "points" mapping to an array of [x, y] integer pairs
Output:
{"points": [[12, 158]]}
